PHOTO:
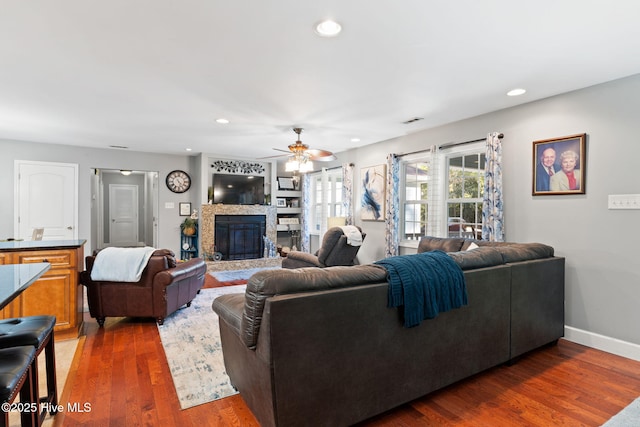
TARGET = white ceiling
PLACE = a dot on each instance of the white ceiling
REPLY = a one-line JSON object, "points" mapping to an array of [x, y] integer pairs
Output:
{"points": [[153, 75]]}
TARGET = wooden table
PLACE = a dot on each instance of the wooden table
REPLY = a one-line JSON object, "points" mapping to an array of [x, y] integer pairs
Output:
{"points": [[15, 278]]}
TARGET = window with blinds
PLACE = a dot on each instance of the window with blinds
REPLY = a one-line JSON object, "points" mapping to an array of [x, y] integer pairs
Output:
{"points": [[442, 193]]}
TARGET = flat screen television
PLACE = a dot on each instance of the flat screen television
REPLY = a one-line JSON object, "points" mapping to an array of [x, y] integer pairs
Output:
{"points": [[238, 189]]}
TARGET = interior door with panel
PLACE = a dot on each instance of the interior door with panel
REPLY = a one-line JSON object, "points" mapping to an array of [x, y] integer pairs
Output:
{"points": [[46, 197], [123, 215]]}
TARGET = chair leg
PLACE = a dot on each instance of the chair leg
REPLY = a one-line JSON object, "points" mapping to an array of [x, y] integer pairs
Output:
{"points": [[52, 385], [29, 393]]}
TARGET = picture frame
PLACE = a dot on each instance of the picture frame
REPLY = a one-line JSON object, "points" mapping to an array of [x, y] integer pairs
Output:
{"points": [[185, 208], [373, 181], [559, 165], [281, 202], [286, 183]]}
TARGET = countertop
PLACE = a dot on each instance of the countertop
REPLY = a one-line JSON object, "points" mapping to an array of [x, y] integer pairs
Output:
{"points": [[15, 278], [35, 245]]}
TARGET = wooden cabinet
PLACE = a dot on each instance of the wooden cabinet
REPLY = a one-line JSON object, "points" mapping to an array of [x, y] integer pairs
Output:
{"points": [[58, 292]]}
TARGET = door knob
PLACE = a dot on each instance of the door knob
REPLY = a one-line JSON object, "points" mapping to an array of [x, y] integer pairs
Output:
{"points": [[69, 228]]}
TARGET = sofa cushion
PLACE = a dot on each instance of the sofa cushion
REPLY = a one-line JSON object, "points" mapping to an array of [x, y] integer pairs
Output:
{"points": [[480, 257], [446, 244], [524, 251], [267, 283]]}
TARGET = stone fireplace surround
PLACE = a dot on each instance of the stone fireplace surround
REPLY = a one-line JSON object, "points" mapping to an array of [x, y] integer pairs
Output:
{"points": [[207, 234]]}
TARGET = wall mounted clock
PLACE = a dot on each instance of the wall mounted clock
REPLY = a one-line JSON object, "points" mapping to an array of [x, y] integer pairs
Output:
{"points": [[178, 181]]}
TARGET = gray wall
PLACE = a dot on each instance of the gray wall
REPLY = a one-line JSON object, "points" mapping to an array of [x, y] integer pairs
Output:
{"points": [[600, 245], [88, 158]]}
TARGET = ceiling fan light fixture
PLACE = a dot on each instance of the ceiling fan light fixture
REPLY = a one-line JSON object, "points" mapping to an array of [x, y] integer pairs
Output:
{"points": [[292, 165], [306, 166], [328, 28]]}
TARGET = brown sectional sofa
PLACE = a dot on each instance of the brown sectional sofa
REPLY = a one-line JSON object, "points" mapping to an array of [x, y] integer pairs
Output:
{"points": [[320, 347]]}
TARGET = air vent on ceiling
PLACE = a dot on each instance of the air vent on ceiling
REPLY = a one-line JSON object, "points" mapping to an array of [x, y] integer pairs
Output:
{"points": [[415, 119]]}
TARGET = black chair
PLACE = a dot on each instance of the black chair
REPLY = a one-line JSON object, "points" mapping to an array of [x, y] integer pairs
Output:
{"points": [[36, 331], [19, 374]]}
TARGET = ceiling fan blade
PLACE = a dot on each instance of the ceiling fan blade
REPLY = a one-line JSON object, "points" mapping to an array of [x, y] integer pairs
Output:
{"points": [[273, 157], [320, 155], [284, 151]]}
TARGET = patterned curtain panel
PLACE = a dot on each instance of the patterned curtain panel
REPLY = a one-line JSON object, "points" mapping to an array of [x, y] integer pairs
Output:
{"points": [[492, 207], [306, 213], [392, 206], [347, 192]]}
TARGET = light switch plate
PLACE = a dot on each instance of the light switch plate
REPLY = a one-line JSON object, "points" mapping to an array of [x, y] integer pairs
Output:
{"points": [[169, 205], [624, 201]]}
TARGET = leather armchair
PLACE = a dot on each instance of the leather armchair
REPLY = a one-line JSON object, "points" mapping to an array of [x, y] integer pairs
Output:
{"points": [[334, 251], [164, 287]]}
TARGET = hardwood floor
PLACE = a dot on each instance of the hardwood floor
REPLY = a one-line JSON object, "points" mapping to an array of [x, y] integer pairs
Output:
{"points": [[123, 375]]}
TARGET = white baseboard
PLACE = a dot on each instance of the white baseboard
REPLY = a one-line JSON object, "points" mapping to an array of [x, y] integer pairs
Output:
{"points": [[604, 343]]}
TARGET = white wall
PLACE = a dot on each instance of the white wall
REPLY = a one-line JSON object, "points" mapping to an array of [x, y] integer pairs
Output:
{"points": [[600, 245], [88, 158]]}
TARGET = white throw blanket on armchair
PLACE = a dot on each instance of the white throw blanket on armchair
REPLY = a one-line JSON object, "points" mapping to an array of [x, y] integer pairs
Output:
{"points": [[121, 264], [354, 237]]}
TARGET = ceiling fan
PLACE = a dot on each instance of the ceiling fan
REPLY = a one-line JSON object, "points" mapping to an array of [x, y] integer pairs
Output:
{"points": [[301, 156]]}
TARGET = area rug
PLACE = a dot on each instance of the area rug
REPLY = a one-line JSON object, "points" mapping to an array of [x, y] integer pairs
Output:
{"points": [[191, 341], [629, 416]]}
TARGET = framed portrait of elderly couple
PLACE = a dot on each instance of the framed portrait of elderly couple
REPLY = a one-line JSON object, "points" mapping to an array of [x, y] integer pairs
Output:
{"points": [[559, 165]]}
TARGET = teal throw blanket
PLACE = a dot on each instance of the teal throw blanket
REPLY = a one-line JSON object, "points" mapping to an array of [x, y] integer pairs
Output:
{"points": [[424, 284]]}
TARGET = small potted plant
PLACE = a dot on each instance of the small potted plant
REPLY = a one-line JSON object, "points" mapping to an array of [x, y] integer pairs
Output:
{"points": [[188, 226]]}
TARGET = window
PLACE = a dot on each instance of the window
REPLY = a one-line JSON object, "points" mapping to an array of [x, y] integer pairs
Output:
{"points": [[465, 190], [326, 198], [447, 203], [415, 206]]}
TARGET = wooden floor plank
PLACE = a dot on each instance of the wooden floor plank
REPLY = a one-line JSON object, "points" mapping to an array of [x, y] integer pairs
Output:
{"points": [[123, 374]]}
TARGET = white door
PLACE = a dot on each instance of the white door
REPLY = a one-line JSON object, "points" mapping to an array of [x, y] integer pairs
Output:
{"points": [[46, 197], [123, 215]]}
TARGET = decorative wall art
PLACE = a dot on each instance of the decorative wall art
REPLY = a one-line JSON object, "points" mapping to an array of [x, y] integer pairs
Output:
{"points": [[559, 165], [185, 208], [238, 166], [373, 179]]}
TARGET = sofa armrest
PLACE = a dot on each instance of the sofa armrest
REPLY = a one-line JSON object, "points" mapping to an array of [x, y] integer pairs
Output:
{"points": [[182, 270], [297, 259], [229, 308]]}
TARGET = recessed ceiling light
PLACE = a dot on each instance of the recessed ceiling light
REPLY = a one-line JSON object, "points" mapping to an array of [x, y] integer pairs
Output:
{"points": [[222, 121], [188, 149], [355, 139], [516, 92], [328, 28]]}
